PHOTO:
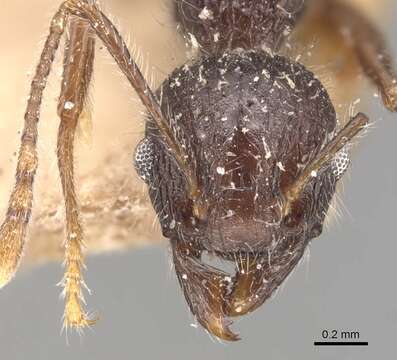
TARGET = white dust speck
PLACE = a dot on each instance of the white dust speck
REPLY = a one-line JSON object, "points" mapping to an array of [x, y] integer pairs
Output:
{"points": [[229, 213], [206, 14], [68, 105], [220, 170], [290, 82], [280, 166], [266, 73], [193, 41], [268, 154]]}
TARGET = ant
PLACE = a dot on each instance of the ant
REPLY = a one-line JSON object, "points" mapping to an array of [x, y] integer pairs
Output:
{"points": [[242, 150]]}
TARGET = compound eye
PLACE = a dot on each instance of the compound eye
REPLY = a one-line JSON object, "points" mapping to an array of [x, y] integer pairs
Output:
{"points": [[143, 160], [340, 163]]}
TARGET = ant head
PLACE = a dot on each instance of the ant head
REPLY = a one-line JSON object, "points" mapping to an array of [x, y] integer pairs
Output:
{"points": [[250, 123]]}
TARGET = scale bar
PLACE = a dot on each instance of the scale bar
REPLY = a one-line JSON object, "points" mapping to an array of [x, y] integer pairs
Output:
{"points": [[341, 343]]}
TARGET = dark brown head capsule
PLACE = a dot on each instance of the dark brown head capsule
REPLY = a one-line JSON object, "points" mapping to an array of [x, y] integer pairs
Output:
{"points": [[253, 126]]}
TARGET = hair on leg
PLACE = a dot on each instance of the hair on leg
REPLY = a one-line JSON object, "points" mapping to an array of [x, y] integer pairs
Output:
{"points": [[13, 229], [78, 64]]}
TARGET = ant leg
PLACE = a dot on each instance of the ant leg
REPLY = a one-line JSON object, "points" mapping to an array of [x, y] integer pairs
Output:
{"points": [[78, 63], [205, 290], [116, 46], [368, 44], [13, 229]]}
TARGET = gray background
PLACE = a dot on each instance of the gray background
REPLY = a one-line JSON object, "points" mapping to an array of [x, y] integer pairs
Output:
{"points": [[347, 284]]}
